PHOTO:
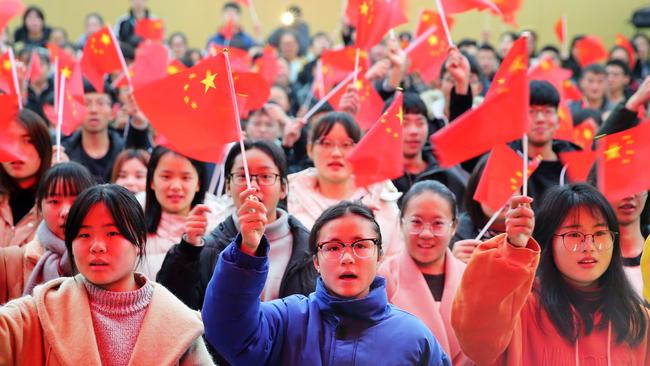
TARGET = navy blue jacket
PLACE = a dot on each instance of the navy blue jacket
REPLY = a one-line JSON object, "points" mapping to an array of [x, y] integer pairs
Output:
{"points": [[317, 330]]}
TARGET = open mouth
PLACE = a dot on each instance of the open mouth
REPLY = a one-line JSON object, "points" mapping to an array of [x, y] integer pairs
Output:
{"points": [[425, 245], [348, 276], [98, 264]]}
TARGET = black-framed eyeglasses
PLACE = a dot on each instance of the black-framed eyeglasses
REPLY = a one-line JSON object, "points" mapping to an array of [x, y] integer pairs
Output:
{"points": [[575, 241], [264, 179], [416, 226], [361, 248]]}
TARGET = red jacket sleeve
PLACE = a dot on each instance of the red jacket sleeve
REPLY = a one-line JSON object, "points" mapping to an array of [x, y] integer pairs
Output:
{"points": [[494, 289]]}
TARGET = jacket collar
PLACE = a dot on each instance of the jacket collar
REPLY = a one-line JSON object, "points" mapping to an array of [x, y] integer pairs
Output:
{"points": [[64, 312], [373, 307]]}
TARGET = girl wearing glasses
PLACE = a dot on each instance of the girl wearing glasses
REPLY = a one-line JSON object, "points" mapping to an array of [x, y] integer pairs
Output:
{"points": [[313, 190], [423, 279], [579, 310], [107, 314], [347, 320], [189, 265], [174, 185]]}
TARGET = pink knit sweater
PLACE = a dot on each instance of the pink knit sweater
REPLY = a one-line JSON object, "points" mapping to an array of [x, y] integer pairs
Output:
{"points": [[117, 318]]}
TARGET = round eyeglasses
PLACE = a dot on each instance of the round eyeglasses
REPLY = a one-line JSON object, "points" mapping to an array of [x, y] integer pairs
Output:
{"points": [[575, 241], [361, 248]]}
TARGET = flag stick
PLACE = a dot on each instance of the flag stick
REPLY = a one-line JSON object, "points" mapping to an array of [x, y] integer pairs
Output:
{"points": [[327, 97], [443, 20], [56, 82], [419, 39], [59, 117], [254, 17], [14, 75], [222, 180], [356, 66], [565, 31], [125, 70], [233, 101], [524, 188], [488, 224]]}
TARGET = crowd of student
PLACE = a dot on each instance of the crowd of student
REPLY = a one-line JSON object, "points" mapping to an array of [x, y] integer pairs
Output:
{"points": [[108, 253]]}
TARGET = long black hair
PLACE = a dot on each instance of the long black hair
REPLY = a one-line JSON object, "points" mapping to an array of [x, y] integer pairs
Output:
{"points": [[124, 208], [152, 208], [617, 302]]}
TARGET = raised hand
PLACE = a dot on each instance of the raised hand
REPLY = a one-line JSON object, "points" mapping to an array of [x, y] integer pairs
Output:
{"points": [[520, 221], [252, 220], [196, 224], [458, 67]]}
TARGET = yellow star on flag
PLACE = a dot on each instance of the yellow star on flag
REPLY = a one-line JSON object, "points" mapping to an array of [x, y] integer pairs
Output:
{"points": [[7, 65], [66, 72], [517, 65], [208, 81], [106, 39], [613, 152], [364, 8], [433, 40], [400, 116]]}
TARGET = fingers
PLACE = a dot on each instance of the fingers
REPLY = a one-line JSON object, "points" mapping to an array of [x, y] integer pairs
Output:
{"points": [[520, 220]]}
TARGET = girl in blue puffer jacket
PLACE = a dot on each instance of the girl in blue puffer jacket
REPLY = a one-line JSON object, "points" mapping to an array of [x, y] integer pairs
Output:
{"points": [[346, 321]]}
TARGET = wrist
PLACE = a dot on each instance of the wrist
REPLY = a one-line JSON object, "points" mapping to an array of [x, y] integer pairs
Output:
{"points": [[197, 242], [632, 104]]}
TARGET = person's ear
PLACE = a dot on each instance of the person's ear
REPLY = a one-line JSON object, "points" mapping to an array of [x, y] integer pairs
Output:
{"points": [[310, 148], [284, 188], [316, 265]]}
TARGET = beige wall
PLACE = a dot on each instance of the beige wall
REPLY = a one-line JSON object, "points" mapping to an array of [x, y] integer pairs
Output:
{"points": [[200, 18]]}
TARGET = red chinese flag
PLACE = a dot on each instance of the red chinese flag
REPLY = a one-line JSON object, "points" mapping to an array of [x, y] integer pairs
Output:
{"points": [[461, 6], [337, 65], [101, 55], [74, 113], [565, 121], [546, 69], [590, 50], [175, 66], [65, 60], [622, 41], [6, 77], [513, 67], [8, 114], [35, 68], [344, 58], [370, 106], [560, 29], [267, 65], [374, 18], [240, 60], [193, 109], [623, 160], [501, 118], [502, 177], [153, 29], [427, 57], [244, 2], [583, 134], [150, 63], [378, 156], [570, 91], [253, 87], [578, 164], [508, 10], [8, 10]]}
